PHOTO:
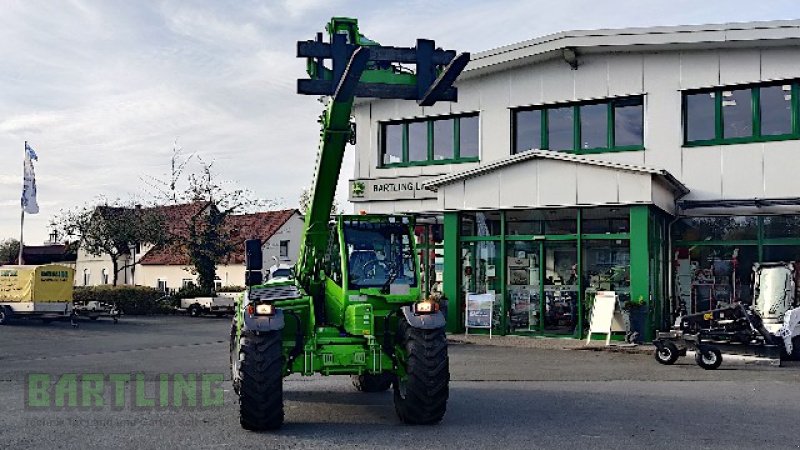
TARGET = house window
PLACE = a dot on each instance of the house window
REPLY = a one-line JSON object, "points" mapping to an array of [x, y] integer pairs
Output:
{"points": [[740, 114], [440, 140], [86, 277], [284, 250], [161, 285], [217, 284], [598, 126], [187, 282], [104, 276]]}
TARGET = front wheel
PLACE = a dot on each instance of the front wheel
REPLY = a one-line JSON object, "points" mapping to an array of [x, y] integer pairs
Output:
{"points": [[709, 358], [667, 353], [260, 381], [5, 315], [421, 387]]}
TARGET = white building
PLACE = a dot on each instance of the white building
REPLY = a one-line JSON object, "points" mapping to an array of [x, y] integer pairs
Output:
{"points": [[592, 160]]}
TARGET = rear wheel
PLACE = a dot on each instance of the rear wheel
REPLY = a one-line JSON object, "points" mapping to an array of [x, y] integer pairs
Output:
{"points": [[373, 383], [420, 394], [261, 381], [667, 353], [709, 358], [195, 311], [5, 315]]}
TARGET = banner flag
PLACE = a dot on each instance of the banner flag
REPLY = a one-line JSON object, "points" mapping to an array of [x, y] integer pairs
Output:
{"points": [[29, 203]]}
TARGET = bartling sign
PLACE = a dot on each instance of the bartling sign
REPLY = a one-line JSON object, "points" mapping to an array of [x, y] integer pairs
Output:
{"points": [[399, 188]]}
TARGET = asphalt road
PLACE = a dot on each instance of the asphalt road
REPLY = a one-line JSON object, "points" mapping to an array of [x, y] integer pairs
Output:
{"points": [[500, 397]]}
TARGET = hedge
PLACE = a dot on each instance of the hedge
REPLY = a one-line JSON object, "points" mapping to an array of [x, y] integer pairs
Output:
{"points": [[128, 299]]}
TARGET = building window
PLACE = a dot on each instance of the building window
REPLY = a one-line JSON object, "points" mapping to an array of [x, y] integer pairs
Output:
{"points": [[741, 114], [440, 140], [86, 277], [161, 285], [615, 124], [104, 276], [187, 282], [284, 250]]}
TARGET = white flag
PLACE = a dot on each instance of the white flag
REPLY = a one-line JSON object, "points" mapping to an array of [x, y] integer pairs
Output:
{"points": [[29, 204]]}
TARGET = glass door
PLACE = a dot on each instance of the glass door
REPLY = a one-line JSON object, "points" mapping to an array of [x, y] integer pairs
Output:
{"points": [[560, 265], [480, 265], [523, 283]]}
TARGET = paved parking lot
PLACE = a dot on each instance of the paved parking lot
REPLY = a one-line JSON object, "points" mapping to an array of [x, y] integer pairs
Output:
{"points": [[501, 397]]}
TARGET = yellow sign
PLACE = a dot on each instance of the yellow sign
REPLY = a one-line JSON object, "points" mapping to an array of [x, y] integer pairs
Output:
{"points": [[48, 283]]}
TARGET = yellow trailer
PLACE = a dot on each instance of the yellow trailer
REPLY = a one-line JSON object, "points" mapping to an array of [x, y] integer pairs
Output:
{"points": [[40, 291]]}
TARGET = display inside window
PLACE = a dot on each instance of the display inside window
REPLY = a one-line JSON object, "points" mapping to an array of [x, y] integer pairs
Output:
{"points": [[737, 113], [594, 126], [527, 130], [781, 227], [700, 116], [713, 276], [480, 267], [775, 103], [560, 221], [524, 222], [560, 288], [523, 283], [480, 223]]}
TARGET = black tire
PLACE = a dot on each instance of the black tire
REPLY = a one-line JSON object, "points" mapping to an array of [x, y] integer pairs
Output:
{"points": [[5, 315], [709, 358], [234, 360], [373, 383], [667, 353], [261, 381], [195, 311], [420, 397], [93, 317]]}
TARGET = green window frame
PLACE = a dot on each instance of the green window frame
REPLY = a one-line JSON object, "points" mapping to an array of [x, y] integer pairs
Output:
{"points": [[610, 103], [430, 160], [756, 114]]}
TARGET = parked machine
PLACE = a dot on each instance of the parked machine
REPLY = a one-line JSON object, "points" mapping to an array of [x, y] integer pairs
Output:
{"points": [[354, 307], [770, 327]]}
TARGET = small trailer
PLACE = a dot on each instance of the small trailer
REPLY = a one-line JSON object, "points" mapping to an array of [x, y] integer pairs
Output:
{"points": [[43, 292], [220, 304], [93, 310]]}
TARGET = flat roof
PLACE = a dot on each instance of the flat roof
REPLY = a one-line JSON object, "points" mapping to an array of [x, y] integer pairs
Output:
{"points": [[745, 34]]}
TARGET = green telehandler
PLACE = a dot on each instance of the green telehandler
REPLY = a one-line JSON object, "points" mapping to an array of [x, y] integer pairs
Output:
{"points": [[355, 305]]}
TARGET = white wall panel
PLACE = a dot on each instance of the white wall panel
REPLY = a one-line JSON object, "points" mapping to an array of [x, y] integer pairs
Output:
{"points": [[702, 172], [780, 63], [781, 164], [494, 133], [739, 66], [631, 158], [558, 81], [557, 183], [634, 187], [662, 112], [591, 78], [625, 73], [526, 86], [699, 69], [742, 171], [518, 185], [469, 95], [483, 191], [596, 185], [453, 195]]}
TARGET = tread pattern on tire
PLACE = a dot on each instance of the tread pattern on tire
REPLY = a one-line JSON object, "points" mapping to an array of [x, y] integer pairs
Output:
{"points": [[261, 381], [373, 383], [428, 376]]}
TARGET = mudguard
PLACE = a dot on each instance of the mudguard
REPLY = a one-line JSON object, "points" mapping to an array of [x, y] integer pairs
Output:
{"points": [[424, 321], [274, 322]]}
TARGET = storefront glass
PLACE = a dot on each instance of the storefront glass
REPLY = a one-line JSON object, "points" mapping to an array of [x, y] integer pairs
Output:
{"points": [[560, 221], [523, 285], [560, 287], [430, 251], [606, 267], [480, 265], [480, 223], [717, 228], [604, 220], [713, 276], [781, 227]]}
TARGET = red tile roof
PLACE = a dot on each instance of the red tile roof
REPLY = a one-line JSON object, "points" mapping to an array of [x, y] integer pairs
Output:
{"points": [[238, 227]]}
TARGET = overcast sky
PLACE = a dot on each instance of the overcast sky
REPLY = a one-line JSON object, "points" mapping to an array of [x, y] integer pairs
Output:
{"points": [[102, 89]]}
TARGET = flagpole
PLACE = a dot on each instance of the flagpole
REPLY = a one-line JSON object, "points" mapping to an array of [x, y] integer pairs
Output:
{"points": [[22, 214]]}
